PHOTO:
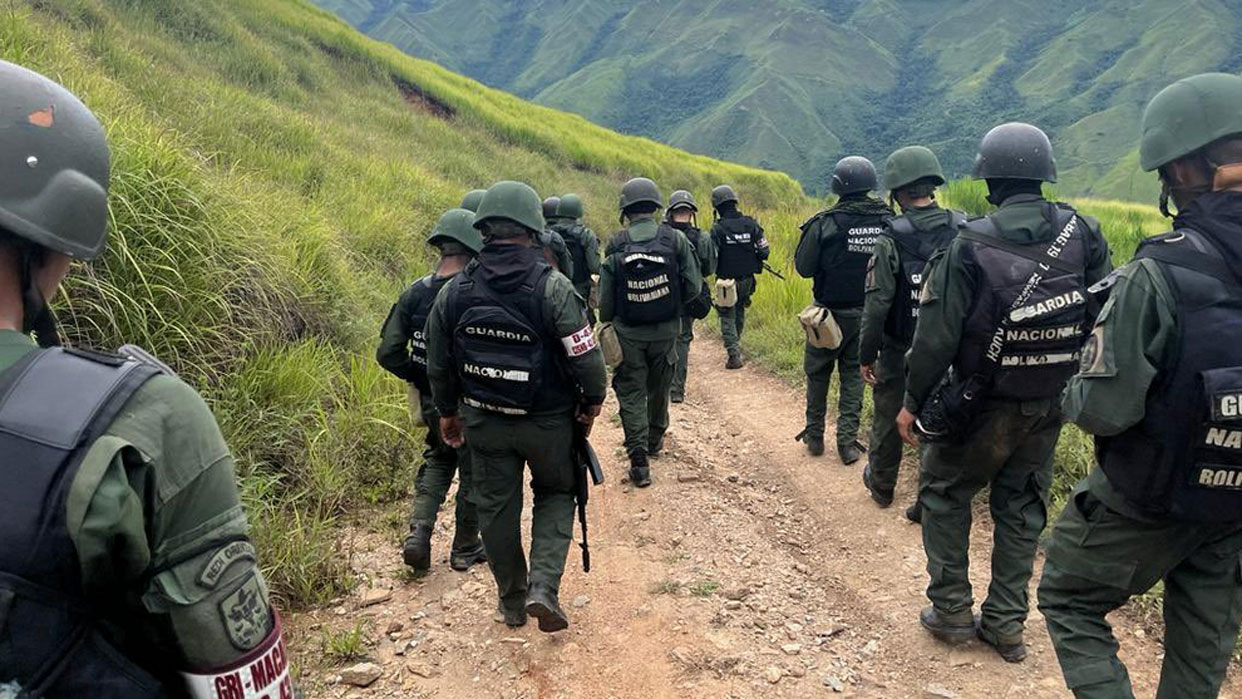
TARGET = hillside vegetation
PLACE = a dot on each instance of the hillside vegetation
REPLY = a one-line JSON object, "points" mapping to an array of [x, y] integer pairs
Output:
{"points": [[795, 84], [275, 173]]}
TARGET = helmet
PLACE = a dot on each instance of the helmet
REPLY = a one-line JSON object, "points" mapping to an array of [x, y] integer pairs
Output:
{"points": [[853, 174], [1016, 151], [515, 201], [911, 164], [54, 166], [1188, 115], [550, 205], [470, 202], [722, 194], [681, 199], [639, 190], [571, 206], [457, 226]]}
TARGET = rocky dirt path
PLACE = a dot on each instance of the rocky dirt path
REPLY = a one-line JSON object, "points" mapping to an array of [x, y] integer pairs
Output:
{"points": [[749, 570]]}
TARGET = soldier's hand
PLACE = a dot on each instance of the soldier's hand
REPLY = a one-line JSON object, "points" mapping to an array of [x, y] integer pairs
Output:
{"points": [[450, 431], [868, 374], [586, 415], [905, 425]]}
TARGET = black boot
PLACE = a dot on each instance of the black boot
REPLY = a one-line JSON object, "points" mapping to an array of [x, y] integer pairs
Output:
{"points": [[814, 443], [1011, 651], [654, 448], [735, 361], [882, 498], [417, 548], [914, 513], [640, 470], [467, 553], [851, 453], [542, 604], [953, 632], [514, 618]]}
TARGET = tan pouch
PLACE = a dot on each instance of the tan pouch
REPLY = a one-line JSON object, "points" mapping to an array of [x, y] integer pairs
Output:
{"points": [[610, 344], [725, 295], [416, 404], [821, 328], [593, 296]]}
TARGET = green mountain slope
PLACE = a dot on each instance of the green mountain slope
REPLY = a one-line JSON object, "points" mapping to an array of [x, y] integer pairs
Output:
{"points": [[794, 84], [276, 173]]}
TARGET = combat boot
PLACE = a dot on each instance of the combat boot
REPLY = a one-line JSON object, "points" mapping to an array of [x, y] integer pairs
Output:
{"points": [[882, 498], [851, 453], [914, 513], [542, 604], [416, 551], [953, 631], [513, 618], [677, 398], [654, 448], [735, 361], [640, 470], [467, 553], [814, 443], [1012, 651]]}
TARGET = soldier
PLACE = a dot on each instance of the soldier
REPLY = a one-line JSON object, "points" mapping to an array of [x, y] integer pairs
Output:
{"points": [[649, 270], [682, 214], [1164, 503], [470, 202], [403, 352], [555, 251], [741, 249], [1001, 320], [892, 305], [834, 251], [125, 569], [508, 338], [583, 247]]}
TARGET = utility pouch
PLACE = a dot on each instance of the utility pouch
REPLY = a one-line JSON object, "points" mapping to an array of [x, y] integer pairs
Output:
{"points": [[610, 344], [949, 416], [821, 328], [726, 293], [700, 306]]}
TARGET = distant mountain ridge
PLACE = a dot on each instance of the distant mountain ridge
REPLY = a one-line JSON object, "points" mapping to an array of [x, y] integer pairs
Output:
{"points": [[795, 84]]}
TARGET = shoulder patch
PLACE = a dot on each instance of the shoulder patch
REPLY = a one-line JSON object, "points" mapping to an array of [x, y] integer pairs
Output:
{"points": [[223, 559], [245, 614]]}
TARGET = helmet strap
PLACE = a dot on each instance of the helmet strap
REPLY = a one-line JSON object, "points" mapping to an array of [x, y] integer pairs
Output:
{"points": [[37, 316]]}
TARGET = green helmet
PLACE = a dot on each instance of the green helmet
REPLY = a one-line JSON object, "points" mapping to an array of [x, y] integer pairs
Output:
{"points": [[571, 206], [722, 195], [514, 201], [681, 199], [853, 174], [638, 191], [550, 205], [1015, 151], [1188, 115], [471, 201], [911, 164], [54, 166], [457, 226]]}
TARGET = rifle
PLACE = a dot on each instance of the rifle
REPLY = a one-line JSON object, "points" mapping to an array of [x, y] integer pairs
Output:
{"points": [[773, 272], [585, 462]]}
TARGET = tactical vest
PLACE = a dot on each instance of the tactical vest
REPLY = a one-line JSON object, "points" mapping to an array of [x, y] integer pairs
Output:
{"points": [[738, 254], [914, 249], [54, 640], [1184, 460], [841, 276], [506, 355], [423, 298], [1032, 349], [574, 234], [648, 278]]}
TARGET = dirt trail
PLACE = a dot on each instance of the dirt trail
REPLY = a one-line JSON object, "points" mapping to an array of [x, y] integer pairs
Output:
{"points": [[749, 569]]}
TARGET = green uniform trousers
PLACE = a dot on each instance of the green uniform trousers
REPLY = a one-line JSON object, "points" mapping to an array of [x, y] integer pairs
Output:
{"points": [[888, 394], [435, 477], [1011, 450], [819, 365], [733, 320], [642, 384], [682, 368], [502, 447], [1098, 558]]}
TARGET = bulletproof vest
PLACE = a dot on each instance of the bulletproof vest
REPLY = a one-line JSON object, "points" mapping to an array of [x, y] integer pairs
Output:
{"points": [[738, 254], [1031, 349], [54, 640], [648, 278], [914, 249], [841, 276], [508, 358], [1184, 460], [423, 298], [573, 233]]}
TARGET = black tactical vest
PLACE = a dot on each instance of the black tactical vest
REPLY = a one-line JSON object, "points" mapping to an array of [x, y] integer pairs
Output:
{"points": [[841, 276], [914, 249], [508, 357], [1035, 351], [423, 298], [1184, 460], [648, 278], [573, 234], [54, 640], [738, 254]]}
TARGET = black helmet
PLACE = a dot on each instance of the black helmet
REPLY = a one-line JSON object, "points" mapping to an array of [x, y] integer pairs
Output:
{"points": [[852, 175], [550, 205], [722, 195], [470, 202], [640, 190], [681, 199], [1015, 151]]}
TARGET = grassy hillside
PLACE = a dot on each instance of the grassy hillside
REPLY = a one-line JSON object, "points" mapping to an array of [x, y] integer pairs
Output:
{"points": [[275, 175], [795, 84]]}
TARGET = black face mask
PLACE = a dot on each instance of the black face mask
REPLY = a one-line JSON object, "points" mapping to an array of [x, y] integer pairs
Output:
{"points": [[1191, 193], [37, 316], [1000, 190]]}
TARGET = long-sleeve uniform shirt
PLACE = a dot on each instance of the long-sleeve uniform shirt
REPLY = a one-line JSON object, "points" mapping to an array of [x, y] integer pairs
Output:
{"points": [[691, 283]]}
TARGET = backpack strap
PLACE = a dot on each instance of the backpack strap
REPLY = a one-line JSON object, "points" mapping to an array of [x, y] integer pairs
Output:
{"points": [[1198, 256], [984, 232]]}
